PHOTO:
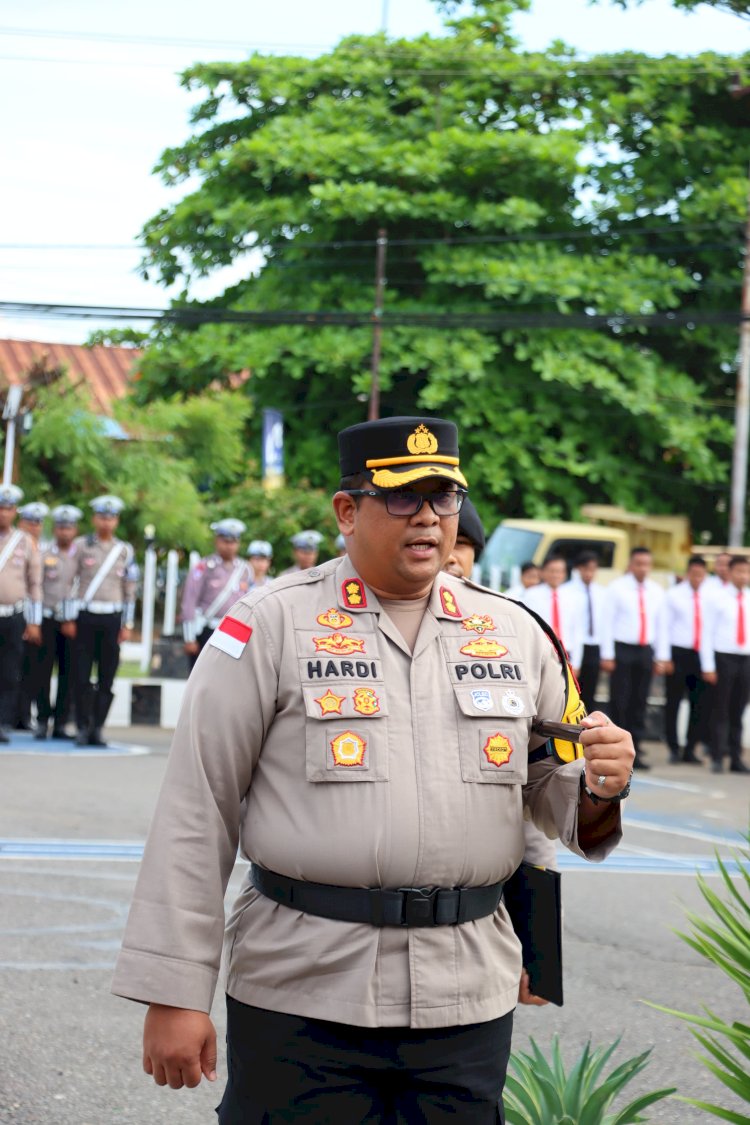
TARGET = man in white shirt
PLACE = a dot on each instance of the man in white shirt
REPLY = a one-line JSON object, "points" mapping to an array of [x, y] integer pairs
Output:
{"points": [[719, 580], [530, 577], [725, 658], [630, 629], [684, 624], [590, 596], [552, 601]]}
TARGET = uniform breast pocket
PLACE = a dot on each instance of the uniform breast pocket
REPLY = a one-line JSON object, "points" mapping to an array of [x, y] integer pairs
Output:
{"points": [[494, 725], [346, 734]]}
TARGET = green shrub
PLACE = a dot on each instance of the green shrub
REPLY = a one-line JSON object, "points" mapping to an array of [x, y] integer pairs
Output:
{"points": [[542, 1093]]}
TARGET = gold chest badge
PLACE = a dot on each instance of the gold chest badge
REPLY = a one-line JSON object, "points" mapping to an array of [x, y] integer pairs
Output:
{"points": [[478, 623], [334, 619], [366, 701], [348, 749], [485, 647], [330, 704], [497, 750], [338, 644]]}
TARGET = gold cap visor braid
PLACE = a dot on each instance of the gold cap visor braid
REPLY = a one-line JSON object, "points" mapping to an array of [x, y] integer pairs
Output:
{"points": [[391, 478]]}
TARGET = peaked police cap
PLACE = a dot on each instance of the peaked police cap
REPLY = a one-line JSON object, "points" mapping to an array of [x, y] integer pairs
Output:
{"points": [[398, 451]]}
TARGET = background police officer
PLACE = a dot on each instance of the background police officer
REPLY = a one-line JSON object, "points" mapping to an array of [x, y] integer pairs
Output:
{"points": [[305, 548], [107, 577], [58, 614], [260, 554], [31, 518], [20, 603], [213, 586]]}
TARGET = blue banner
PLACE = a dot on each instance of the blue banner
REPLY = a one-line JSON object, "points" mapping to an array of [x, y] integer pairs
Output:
{"points": [[273, 448]]}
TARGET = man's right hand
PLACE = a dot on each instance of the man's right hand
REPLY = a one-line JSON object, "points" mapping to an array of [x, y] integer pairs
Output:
{"points": [[179, 1045], [607, 665], [191, 648]]}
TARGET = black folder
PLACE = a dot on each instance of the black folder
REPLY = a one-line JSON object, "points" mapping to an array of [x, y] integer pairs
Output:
{"points": [[532, 899]]}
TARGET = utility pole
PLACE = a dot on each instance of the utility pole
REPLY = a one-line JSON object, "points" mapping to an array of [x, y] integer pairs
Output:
{"points": [[384, 17], [10, 414], [377, 324], [742, 402]]}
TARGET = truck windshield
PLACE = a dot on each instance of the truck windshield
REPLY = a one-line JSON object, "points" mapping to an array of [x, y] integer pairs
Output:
{"points": [[507, 549]]}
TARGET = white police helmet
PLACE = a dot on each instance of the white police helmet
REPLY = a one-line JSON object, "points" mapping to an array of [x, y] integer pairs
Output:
{"points": [[10, 495], [107, 505], [228, 529], [307, 540], [260, 547]]}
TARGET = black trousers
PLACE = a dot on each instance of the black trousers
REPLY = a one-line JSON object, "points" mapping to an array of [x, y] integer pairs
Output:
{"points": [[289, 1068], [97, 642], [28, 684], [628, 689], [687, 678], [203, 638], [11, 661], [589, 675], [56, 649], [730, 699]]}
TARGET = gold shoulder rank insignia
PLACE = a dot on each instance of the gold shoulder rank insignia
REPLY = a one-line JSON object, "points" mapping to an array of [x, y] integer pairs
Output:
{"points": [[348, 749], [338, 644], [366, 701], [353, 592], [484, 646], [497, 750], [330, 704], [478, 623], [334, 619], [448, 602]]}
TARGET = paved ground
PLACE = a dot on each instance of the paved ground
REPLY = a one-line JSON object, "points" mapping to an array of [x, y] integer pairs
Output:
{"points": [[72, 828]]}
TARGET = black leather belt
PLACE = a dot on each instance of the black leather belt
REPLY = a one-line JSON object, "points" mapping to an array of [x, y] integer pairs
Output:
{"points": [[406, 906]]}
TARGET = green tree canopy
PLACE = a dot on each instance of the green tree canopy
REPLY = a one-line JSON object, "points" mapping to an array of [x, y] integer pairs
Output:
{"points": [[564, 257]]}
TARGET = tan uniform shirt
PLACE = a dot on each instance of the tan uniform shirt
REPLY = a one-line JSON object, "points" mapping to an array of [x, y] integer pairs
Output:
{"points": [[331, 753], [21, 575], [58, 575], [118, 587]]}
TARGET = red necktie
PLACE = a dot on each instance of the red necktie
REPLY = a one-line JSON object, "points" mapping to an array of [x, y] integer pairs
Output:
{"points": [[643, 627], [556, 627], [696, 622], [740, 619]]}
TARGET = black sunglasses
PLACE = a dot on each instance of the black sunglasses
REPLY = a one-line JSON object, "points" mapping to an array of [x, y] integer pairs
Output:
{"points": [[402, 503]]}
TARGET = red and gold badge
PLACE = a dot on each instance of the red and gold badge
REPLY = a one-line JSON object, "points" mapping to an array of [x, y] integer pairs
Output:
{"points": [[448, 602], [366, 701], [348, 749], [338, 644], [334, 619], [478, 623], [484, 647], [497, 750], [330, 704], [353, 592]]}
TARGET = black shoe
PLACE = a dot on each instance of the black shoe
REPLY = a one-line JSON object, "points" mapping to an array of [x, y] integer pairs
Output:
{"points": [[739, 767], [82, 738], [639, 764], [4, 737], [717, 767], [40, 734], [96, 739], [690, 758], [58, 732], [674, 757]]}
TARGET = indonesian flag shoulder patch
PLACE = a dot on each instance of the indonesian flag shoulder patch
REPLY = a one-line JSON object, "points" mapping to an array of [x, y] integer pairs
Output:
{"points": [[231, 637]]}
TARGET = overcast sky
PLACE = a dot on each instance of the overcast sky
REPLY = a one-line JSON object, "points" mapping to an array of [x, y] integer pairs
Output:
{"points": [[90, 99]]}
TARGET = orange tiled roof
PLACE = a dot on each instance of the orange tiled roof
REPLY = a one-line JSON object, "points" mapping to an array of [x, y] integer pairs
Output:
{"points": [[105, 371]]}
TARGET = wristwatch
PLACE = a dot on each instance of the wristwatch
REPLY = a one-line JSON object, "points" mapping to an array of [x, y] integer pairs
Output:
{"points": [[604, 800]]}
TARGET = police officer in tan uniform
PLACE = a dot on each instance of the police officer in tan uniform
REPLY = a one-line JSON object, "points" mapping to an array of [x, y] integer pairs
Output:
{"points": [[58, 629], [107, 577], [305, 548], [362, 730], [31, 519], [213, 586], [20, 603]]}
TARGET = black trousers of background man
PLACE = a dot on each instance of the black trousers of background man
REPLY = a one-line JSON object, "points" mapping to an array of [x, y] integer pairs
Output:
{"points": [[97, 642], [730, 699], [628, 689], [289, 1068], [11, 658], [588, 677], [56, 649], [687, 678], [203, 638]]}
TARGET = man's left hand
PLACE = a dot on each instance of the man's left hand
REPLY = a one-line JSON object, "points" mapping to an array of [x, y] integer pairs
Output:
{"points": [[124, 634], [33, 634], [526, 996], [609, 754]]}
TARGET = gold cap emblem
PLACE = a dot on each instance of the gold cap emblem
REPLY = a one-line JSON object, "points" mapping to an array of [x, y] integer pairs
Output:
{"points": [[422, 442]]}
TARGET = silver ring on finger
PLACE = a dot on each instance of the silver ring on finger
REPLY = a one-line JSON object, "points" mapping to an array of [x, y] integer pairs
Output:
{"points": [[601, 780]]}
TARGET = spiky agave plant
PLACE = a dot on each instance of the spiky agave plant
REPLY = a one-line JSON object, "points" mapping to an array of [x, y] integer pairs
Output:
{"points": [[541, 1092]]}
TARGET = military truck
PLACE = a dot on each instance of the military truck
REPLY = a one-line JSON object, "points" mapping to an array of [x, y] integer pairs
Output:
{"points": [[609, 531]]}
